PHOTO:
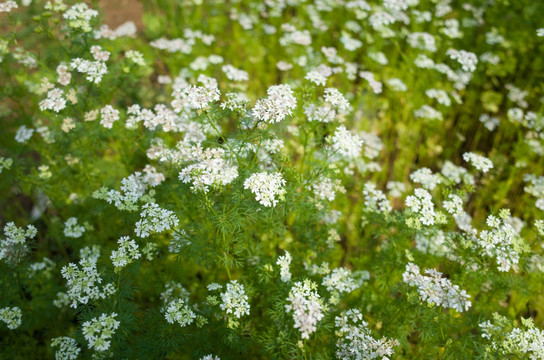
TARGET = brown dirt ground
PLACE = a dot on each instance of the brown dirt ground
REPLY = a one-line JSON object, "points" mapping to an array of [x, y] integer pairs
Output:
{"points": [[117, 12]]}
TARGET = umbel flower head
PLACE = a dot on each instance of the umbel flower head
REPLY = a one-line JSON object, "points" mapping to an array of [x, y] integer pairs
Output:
{"points": [[306, 305]]}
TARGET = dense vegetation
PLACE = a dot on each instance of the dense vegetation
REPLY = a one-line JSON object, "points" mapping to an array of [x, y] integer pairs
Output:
{"points": [[277, 179]]}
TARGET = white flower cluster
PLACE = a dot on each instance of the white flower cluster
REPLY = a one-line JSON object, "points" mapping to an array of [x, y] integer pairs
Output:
{"points": [[432, 243], [336, 99], [456, 174], [209, 170], [154, 219], [375, 200], [284, 261], [126, 29], [13, 247], [341, 280], [535, 188], [8, 6], [72, 229], [108, 115], [210, 357], [478, 161], [376, 86], [84, 284], [79, 16], [454, 205], [54, 101], [179, 311], [345, 145], [99, 330], [306, 306], [422, 203], [279, 103], [435, 289], [195, 97], [235, 299], [467, 59], [23, 134], [501, 242], [126, 254], [68, 349], [527, 340], [266, 187], [133, 188], [428, 112], [5, 163], [235, 74], [11, 316], [356, 341], [325, 188], [426, 178], [94, 70]]}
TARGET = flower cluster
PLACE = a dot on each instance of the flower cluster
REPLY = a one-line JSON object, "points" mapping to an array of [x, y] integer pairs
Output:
{"points": [[127, 252], [179, 311], [356, 341], [99, 330], [67, 348], [266, 187], [306, 305], [284, 261], [234, 299], [478, 161], [501, 242], [72, 229], [84, 284], [14, 246], [435, 289], [345, 145], [11, 316], [279, 103], [421, 203], [210, 169], [154, 219]]}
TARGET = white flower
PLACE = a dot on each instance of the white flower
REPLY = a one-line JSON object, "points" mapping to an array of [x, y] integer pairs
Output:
{"points": [[235, 74], [336, 99], [454, 205], [479, 162], [80, 16], [11, 316], [154, 219], [72, 229], [209, 170], [126, 254], [68, 349], [284, 261], [108, 116], [14, 246], [279, 103], [178, 311], [84, 284], [99, 330], [266, 187], [23, 134], [435, 289], [422, 204], [426, 178], [306, 306], [356, 341], [8, 6], [340, 280], [467, 59], [235, 299], [345, 145]]}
